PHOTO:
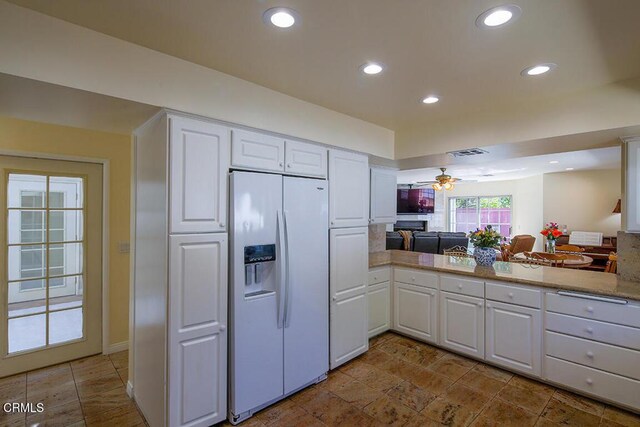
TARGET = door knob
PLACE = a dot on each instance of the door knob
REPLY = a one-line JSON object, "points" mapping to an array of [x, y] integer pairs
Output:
{"points": [[479, 304], [590, 354], [223, 328], [222, 224], [281, 164], [510, 294], [590, 330], [589, 381], [335, 298], [289, 165], [488, 305], [590, 309]]}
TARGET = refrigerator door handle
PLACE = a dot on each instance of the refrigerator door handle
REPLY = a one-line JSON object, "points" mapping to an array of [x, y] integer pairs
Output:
{"points": [[282, 271], [287, 280]]}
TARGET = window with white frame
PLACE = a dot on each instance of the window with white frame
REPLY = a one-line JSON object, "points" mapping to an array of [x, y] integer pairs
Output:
{"points": [[468, 213]]}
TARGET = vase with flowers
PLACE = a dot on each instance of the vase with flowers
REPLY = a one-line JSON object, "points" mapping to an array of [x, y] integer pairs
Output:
{"points": [[485, 241], [551, 232]]}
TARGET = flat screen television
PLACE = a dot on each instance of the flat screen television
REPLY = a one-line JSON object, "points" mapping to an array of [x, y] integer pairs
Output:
{"points": [[416, 201]]}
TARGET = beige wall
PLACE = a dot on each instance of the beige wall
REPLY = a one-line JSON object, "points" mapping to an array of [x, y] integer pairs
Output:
{"points": [[19, 136], [583, 200], [73, 56]]}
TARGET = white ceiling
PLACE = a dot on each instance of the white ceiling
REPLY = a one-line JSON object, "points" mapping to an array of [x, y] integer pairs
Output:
{"points": [[28, 99], [523, 167], [429, 46]]}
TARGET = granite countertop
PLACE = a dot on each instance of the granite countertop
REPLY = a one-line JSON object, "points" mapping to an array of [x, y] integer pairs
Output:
{"points": [[592, 282]]}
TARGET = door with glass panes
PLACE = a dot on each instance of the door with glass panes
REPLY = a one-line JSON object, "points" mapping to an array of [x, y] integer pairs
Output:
{"points": [[51, 251]]}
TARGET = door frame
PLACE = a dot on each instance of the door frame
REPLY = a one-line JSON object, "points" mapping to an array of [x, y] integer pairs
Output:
{"points": [[105, 226]]}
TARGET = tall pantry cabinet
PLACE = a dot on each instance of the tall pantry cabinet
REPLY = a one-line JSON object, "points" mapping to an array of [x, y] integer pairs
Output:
{"points": [[180, 274], [348, 255]]}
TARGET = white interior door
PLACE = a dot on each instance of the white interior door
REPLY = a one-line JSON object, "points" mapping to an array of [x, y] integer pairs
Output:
{"points": [[51, 294]]}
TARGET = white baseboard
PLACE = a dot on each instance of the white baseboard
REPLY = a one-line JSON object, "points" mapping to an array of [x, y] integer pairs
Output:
{"points": [[119, 346], [130, 389]]}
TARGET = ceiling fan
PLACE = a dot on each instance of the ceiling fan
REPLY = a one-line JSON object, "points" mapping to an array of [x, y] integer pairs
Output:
{"points": [[442, 181]]}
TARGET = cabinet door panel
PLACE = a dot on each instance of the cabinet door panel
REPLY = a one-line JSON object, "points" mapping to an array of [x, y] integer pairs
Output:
{"points": [[514, 337], [199, 165], [348, 274], [348, 189], [252, 150], [462, 323], [197, 353], [415, 311], [384, 190], [349, 335], [305, 159], [378, 300]]}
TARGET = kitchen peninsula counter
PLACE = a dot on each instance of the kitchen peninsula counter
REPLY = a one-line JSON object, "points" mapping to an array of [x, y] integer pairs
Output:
{"points": [[591, 282]]}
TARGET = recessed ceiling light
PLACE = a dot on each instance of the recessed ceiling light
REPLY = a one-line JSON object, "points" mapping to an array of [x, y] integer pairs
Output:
{"points": [[569, 169], [431, 99], [372, 68], [536, 70], [498, 16], [281, 17], [553, 162]]}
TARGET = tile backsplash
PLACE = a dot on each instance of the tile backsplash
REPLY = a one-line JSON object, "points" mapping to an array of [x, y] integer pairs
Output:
{"points": [[377, 238]]}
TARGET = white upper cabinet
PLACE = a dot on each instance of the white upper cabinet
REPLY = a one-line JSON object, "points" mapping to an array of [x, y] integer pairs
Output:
{"points": [[199, 164], [384, 185], [348, 189], [305, 159], [631, 208], [255, 150]]}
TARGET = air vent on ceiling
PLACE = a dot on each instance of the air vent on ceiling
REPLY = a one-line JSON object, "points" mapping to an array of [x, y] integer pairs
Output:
{"points": [[467, 152]]}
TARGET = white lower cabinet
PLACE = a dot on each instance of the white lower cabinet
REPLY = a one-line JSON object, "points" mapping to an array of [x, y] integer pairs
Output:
{"points": [[513, 337], [462, 323], [348, 282], [416, 311]]}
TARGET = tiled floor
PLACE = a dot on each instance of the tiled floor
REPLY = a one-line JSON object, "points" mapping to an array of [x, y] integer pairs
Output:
{"points": [[402, 382], [399, 382], [87, 392]]}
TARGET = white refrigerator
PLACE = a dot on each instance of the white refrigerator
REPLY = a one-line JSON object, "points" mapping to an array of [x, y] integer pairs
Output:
{"points": [[279, 288]]}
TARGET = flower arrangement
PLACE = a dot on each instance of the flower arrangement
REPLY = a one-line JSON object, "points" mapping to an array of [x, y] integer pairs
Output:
{"points": [[485, 238], [551, 231]]}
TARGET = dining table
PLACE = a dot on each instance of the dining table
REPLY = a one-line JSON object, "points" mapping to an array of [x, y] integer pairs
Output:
{"points": [[572, 260]]}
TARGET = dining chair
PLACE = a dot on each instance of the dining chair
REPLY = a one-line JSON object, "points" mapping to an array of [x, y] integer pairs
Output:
{"points": [[530, 261], [458, 251], [612, 263], [554, 260], [569, 248]]}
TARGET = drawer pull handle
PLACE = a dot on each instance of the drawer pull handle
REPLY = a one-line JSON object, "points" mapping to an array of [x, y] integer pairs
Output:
{"points": [[590, 309], [590, 354], [459, 286], [375, 277], [589, 330], [592, 297], [413, 279], [510, 294], [589, 381]]}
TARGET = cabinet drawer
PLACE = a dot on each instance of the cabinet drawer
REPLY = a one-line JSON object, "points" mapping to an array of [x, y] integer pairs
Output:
{"points": [[416, 277], [623, 314], [597, 355], [608, 386], [463, 286], [527, 297], [379, 275], [592, 329]]}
